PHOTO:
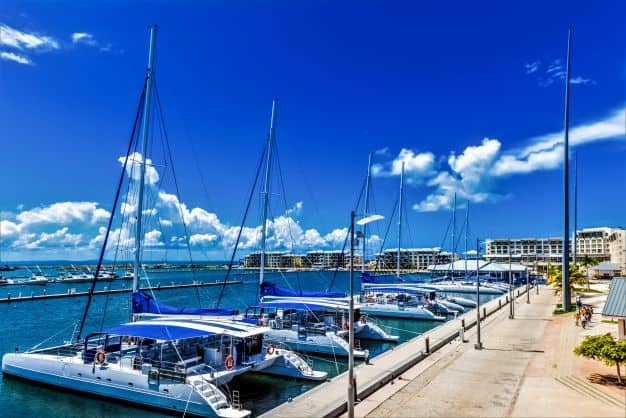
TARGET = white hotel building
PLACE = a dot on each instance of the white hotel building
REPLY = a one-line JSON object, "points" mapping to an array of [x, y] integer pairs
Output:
{"points": [[603, 244], [412, 258]]}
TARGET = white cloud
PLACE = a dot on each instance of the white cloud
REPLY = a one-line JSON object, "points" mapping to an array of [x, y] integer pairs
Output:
{"points": [[546, 151], [84, 38], [17, 39], [336, 237], [473, 175], [296, 209], [467, 177], [581, 80], [555, 71], [64, 213], [133, 168], [153, 239], [532, 67], [202, 239], [59, 238], [9, 229], [417, 166], [20, 59]]}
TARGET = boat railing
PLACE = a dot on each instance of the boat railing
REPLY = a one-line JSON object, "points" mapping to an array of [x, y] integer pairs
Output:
{"points": [[161, 369]]}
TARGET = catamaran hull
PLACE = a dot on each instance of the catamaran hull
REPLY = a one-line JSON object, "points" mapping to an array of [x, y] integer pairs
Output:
{"points": [[108, 383], [394, 311], [372, 332], [288, 364], [314, 344]]}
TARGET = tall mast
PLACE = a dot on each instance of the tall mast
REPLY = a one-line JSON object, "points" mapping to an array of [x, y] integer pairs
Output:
{"points": [[566, 230], [574, 244], [453, 226], [144, 149], [400, 207], [367, 209], [466, 234], [266, 189]]}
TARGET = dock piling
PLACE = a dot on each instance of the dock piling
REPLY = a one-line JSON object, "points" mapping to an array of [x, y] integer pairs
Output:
{"points": [[427, 343]]}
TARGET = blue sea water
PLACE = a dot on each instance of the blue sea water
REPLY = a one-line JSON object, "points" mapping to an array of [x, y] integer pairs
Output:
{"points": [[51, 321]]}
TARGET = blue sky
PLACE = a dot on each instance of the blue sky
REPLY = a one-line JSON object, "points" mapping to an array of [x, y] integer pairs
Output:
{"points": [[470, 96]]}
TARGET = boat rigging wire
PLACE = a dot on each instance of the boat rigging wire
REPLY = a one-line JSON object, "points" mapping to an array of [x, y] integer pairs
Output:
{"points": [[110, 223], [243, 222]]}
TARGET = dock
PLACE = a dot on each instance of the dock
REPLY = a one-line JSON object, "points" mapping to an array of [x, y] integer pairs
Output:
{"points": [[73, 293], [440, 375]]}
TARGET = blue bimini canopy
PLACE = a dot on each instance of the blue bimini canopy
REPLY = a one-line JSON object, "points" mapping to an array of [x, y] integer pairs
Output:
{"points": [[157, 331], [143, 303], [270, 289], [302, 306]]}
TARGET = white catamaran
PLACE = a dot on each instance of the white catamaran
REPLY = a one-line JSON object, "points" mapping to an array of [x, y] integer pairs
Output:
{"points": [[170, 362]]}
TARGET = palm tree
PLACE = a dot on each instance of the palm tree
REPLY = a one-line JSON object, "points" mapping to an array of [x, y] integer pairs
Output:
{"points": [[586, 261], [555, 277]]}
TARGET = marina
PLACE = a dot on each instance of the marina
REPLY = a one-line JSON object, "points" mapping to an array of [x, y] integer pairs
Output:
{"points": [[188, 226]]}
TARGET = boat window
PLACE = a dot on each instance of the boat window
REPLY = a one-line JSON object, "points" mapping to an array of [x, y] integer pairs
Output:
{"points": [[254, 345]]}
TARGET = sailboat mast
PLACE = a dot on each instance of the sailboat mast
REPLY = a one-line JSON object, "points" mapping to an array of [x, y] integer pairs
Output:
{"points": [[466, 235], [266, 191], [144, 148], [566, 232], [400, 207], [574, 244], [367, 209], [453, 226]]}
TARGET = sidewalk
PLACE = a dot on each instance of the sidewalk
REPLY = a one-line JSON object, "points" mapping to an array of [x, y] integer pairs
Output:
{"points": [[522, 371]]}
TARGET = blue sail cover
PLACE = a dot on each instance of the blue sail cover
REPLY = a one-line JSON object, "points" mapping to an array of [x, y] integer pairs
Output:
{"points": [[271, 289], [143, 303], [367, 278], [301, 306]]}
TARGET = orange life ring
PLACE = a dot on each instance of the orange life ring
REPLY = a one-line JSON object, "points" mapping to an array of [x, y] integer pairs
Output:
{"points": [[345, 326], [270, 349], [230, 362], [362, 319], [101, 357]]}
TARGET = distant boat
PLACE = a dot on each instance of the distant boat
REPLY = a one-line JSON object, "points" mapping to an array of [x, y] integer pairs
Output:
{"points": [[4, 281], [36, 279]]}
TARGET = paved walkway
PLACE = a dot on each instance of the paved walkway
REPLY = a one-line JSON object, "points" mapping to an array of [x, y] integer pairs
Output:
{"points": [[495, 381], [526, 369]]}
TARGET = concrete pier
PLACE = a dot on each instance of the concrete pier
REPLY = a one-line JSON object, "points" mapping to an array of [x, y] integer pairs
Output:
{"points": [[455, 380], [32, 296]]}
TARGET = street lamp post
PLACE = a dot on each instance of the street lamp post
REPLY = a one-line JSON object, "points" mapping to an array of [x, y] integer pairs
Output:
{"points": [[511, 291], [351, 381], [479, 344], [351, 378], [527, 287]]}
